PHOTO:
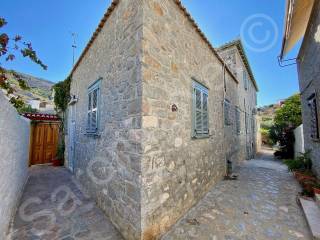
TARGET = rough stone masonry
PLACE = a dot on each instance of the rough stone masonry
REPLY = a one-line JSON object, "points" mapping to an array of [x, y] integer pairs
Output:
{"points": [[142, 166]]}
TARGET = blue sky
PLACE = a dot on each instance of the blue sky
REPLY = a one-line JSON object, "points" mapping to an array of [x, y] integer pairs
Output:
{"points": [[48, 25]]}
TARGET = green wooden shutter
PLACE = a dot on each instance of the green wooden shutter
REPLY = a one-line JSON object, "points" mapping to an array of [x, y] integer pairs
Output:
{"points": [[198, 112], [89, 111], [94, 114], [205, 119], [200, 115], [227, 118], [93, 107], [245, 80], [238, 122]]}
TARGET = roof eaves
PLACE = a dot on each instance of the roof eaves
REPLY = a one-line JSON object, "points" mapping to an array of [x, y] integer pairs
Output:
{"points": [[182, 8], [204, 38], [96, 33]]}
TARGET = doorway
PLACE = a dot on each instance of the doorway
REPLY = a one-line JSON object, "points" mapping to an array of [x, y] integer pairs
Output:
{"points": [[44, 142]]}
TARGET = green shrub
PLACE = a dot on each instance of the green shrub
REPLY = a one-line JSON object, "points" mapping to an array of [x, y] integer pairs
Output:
{"points": [[294, 164], [303, 162]]}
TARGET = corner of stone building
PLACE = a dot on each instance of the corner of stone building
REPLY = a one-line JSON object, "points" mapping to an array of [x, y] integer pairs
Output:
{"points": [[176, 169]]}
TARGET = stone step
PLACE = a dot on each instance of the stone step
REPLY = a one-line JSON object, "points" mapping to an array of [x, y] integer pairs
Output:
{"points": [[312, 214]]}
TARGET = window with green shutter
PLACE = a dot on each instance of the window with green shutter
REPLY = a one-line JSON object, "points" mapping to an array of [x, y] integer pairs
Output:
{"points": [[238, 120], [245, 80], [93, 107], [314, 118], [200, 117], [227, 116]]}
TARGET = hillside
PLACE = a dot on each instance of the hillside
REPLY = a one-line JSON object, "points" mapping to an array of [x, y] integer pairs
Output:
{"points": [[266, 115], [38, 88], [38, 95]]}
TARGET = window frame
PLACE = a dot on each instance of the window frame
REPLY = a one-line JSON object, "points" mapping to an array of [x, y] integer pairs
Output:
{"points": [[96, 86], [245, 80], [314, 103], [196, 86], [227, 112], [238, 120]]}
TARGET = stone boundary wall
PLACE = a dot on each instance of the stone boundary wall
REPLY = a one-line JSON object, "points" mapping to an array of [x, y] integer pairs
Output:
{"points": [[14, 149], [299, 141]]}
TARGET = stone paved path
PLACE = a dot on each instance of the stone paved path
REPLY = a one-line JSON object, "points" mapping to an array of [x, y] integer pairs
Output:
{"points": [[260, 205], [54, 208]]}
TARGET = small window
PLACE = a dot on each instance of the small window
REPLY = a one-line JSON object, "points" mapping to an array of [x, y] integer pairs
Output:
{"points": [[245, 80], [314, 118], [227, 115], [253, 124], [238, 120], [246, 121], [200, 117], [93, 107]]}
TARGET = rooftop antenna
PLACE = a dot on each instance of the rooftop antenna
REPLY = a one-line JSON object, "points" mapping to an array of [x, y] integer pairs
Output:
{"points": [[74, 46]]}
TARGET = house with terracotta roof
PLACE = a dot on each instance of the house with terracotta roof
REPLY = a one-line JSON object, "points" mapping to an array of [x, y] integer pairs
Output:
{"points": [[146, 122]]}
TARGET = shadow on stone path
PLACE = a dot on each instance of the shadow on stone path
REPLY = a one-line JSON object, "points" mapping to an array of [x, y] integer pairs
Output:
{"points": [[260, 205], [54, 208]]}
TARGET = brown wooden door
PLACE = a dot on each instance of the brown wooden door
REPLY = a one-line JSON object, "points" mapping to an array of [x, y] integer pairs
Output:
{"points": [[44, 143]]}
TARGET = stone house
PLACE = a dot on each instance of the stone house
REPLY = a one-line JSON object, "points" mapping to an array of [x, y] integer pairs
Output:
{"points": [[303, 20], [146, 122], [234, 55]]}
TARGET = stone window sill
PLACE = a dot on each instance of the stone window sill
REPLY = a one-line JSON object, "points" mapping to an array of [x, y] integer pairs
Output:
{"points": [[317, 140], [201, 137], [94, 135]]}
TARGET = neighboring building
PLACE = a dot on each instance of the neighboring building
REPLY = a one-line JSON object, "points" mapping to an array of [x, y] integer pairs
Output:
{"points": [[146, 123], [41, 106], [235, 57], [303, 20], [38, 95]]}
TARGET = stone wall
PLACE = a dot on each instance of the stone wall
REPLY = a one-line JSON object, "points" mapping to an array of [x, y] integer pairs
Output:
{"points": [[309, 78], [247, 102], [299, 141], [176, 169], [108, 164], [259, 135], [233, 147], [143, 167], [14, 149]]}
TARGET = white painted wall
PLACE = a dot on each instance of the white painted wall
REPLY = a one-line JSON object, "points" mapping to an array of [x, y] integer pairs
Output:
{"points": [[299, 141], [14, 155]]}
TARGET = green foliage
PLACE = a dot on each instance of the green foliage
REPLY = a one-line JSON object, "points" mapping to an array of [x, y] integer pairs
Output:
{"points": [[61, 149], [26, 109], [293, 164], [21, 107], [265, 134], [62, 94], [289, 115], [303, 162], [8, 49], [287, 118], [306, 159], [17, 102], [267, 124]]}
